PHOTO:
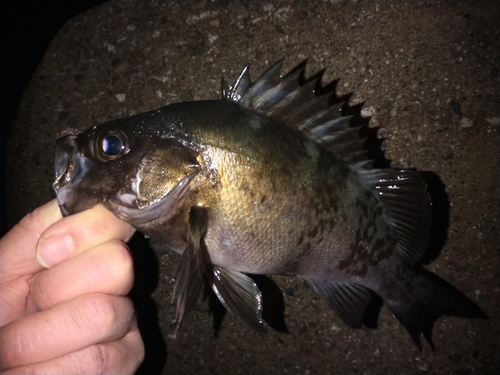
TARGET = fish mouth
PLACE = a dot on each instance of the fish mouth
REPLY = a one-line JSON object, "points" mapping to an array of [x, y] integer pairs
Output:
{"points": [[70, 168], [163, 208]]}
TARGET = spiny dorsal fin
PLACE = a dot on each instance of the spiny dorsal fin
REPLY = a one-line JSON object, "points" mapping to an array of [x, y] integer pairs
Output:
{"points": [[294, 102]]}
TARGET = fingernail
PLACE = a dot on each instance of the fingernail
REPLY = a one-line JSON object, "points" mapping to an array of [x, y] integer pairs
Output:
{"points": [[54, 250]]}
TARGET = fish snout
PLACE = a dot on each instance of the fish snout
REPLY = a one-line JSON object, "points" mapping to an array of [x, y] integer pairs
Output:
{"points": [[70, 169], [64, 161]]}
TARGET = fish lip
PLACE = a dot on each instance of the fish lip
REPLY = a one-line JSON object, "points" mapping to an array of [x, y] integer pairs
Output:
{"points": [[64, 161], [70, 168], [64, 169]]}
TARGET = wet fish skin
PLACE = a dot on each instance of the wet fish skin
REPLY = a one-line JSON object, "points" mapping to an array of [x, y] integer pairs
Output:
{"points": [[268, 180]]}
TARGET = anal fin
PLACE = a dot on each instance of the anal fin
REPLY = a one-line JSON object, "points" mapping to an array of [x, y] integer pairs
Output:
{"points": [[348, 300], [239, 294]]}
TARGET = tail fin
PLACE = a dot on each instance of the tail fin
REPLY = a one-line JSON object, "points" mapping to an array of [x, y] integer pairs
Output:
{"points": [[427, 298]]}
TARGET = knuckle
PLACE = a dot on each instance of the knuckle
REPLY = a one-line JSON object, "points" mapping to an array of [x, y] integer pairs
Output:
{"points": [[140, 352], [123, 261], [122, 254], [15, 347], [112, 357], [121, 356], [125, 355], [97, 359], [96, 314], [111, 268], [42, 290]]}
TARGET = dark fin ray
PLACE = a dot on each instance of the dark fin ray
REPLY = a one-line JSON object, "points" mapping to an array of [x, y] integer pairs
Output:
{"points": [[259, 91], [215, 307], [281, 111], [325, 131], [288, 85], [440, 216], [327, 122], [406, 204], [308, 112], [425, 298], [188, 275], [345, 144], [348, 300], [239, 294], [241, 85], [274, 301]]}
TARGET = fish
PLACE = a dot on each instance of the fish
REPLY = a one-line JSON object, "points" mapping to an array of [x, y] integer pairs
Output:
{"points": [[272, 178]]}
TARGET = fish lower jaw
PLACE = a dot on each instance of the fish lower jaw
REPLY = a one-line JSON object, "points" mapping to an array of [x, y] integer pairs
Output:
{"points": [[71, 201]]}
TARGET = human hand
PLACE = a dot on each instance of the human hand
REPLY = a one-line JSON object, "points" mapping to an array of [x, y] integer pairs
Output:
{"points": [[72, 316]]}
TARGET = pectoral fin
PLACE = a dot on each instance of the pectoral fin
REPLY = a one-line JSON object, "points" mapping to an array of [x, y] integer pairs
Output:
{"points": [[348, 300], [188, 275], [239, 294]]}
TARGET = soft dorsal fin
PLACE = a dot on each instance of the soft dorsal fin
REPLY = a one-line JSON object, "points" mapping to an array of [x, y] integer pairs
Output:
{"points": [[293, 101], [406, 203]]}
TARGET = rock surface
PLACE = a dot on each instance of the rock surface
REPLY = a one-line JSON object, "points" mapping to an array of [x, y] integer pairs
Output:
{"points": [[427, 72]]}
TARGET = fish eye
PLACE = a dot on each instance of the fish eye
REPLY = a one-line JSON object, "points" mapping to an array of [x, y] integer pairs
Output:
{"points": [[112, 144]]}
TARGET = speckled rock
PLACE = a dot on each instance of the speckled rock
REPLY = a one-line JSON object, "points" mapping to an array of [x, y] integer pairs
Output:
{"points": [[420, 68]]}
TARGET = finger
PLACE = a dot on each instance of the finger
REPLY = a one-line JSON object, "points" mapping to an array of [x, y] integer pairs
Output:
{"points": [[118, 357], [18, 259], [65, 328], [107, 269], [17, 247], [80, 232]]}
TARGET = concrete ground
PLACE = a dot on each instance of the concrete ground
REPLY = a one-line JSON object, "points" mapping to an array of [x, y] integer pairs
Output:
{"points": [[427, 73]]}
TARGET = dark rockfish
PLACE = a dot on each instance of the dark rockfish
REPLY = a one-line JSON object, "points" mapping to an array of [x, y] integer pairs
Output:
{"points": [[268, 180]]}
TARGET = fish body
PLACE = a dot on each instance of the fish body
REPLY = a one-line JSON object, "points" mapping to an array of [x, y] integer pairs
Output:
{"points": [[271, 179]]}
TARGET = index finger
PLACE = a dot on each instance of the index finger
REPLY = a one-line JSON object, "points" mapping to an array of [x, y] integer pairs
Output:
{"points": [[77, 233]]}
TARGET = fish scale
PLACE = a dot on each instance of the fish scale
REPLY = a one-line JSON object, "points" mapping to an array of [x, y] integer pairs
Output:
{"points": [[270, 179]]}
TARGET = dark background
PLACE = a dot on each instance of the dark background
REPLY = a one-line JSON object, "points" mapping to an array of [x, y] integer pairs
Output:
{"points": [[27, 28]]}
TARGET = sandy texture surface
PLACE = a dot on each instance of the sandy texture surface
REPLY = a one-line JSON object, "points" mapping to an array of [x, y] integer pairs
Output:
{"points": [[428, 73]]}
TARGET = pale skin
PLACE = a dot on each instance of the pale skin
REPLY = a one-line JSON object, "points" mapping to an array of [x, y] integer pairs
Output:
{"points": [[63, 287]]}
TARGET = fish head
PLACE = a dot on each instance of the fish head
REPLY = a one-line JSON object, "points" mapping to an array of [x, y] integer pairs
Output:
{"points": [[139, 176]]}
